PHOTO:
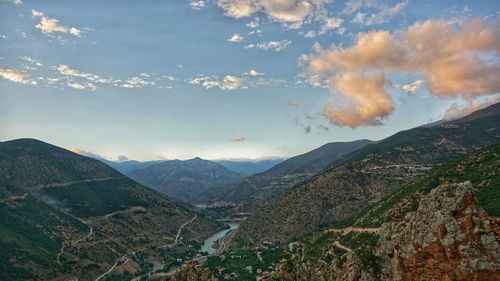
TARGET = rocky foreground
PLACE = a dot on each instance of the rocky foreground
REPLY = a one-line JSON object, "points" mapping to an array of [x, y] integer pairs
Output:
{"points": [[449, 237]]}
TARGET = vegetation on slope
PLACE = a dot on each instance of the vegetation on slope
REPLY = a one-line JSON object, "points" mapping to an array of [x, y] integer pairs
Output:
{"points": [[365, 177]]}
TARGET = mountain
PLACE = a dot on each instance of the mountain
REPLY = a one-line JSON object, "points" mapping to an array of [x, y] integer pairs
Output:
{"points": [[250, 167], [185, 180], [443, 225], [367, 175], [66, 215], [256, 190], [129, 165]]}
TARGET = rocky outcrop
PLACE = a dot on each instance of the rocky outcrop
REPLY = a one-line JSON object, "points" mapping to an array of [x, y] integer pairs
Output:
{"points": [[192, 272], [449, 237]]}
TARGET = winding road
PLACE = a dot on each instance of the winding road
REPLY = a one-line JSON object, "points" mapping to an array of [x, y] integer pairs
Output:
{"points": [[350, 229], [347, 230], [40, 186], [125, 258], [14, 198]]}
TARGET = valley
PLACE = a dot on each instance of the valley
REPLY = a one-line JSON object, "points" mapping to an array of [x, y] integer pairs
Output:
{"points": [[250, 140], [302, 216]]}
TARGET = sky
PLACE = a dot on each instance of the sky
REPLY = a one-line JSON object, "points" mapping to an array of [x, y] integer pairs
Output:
{"points": [[176, 79]]}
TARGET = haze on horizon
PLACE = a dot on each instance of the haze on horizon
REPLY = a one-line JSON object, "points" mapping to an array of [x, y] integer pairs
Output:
{"points": [[239, 79]]}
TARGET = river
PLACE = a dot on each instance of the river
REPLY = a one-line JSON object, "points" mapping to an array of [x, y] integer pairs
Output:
{"points": [[209, 242]]}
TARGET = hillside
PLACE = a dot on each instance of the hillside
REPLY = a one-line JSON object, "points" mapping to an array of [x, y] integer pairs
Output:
{"points": [[254, 191], [250, 167], [368, 175], [447, 217], [185, 180], [105, 215]]}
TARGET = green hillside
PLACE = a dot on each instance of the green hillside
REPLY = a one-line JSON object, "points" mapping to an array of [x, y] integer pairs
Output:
{"points": [[368, 175]]}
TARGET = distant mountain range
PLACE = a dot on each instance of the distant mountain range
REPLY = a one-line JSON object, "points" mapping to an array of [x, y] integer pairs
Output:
{"points": [[367, 175], [62, 212], [243, 166], [254, 191], [185, 180], [129, 165], [250, 167]]}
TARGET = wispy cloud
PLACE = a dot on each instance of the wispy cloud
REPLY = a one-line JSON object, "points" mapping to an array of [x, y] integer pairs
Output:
{"points": [[16, 76], [197, 4], [81, 86], [137, 82], [236, 38], [50, 26], [251, 78], [276, 46], [412, 87], [228, 82], [254, 23], [15, 2]]}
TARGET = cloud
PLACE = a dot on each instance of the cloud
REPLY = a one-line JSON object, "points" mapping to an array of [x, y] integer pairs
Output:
{"points": [[254, 23], [310, 34], [197, 4], [67, 71], [353, 108], [276, 46], [81, 86], [251, 78], [227, 83], [50, 26], [330, 23], [460, 61], [236, 38], [31, 60], [253, 72], [16, 76], [86, 153], [122, 158], [374, 11], [412, 87], [237, 139], [161, 157], [15, 2], [384, 15], [459, 110], [289, 12], [137, 82]]}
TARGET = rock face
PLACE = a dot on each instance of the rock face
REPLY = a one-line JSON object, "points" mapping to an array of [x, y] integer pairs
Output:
{"points": [[449, 237], [192, 272]]}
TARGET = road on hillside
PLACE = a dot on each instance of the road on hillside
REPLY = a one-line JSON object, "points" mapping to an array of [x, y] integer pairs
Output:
{"points": [[125, 258]]}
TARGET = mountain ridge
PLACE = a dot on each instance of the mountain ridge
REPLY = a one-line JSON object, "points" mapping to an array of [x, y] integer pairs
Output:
{"points": [[114, 208], [254, 191], [185, 179], [365, 176]]}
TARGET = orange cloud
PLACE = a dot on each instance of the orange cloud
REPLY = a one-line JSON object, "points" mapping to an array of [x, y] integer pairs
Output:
{"points": [[454, 62], [365, 99]]}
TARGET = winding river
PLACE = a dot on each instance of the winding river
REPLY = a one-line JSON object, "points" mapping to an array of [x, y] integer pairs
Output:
{"points": [[209, 242]]}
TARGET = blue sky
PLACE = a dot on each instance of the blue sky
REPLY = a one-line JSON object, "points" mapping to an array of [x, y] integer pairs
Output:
{"points": [[215, 79]]}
